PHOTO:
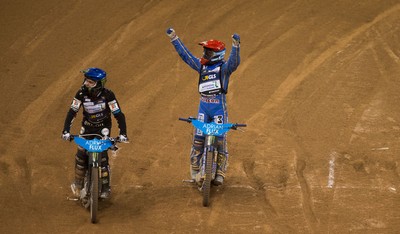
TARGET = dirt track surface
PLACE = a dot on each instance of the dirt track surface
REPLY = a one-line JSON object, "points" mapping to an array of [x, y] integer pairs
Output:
{"points": [[318, 86]]}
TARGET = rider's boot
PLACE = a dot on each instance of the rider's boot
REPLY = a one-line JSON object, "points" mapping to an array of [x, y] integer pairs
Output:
{"points": [[193, 172], [222, 161], [76, 187], [105, 180], [219, 180]]}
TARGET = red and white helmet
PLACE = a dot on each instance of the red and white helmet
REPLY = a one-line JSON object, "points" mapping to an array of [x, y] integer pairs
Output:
{"points": [[214, 51]]}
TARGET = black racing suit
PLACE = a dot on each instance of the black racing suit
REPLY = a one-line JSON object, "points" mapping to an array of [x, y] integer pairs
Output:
{"points": [[96, 116]]}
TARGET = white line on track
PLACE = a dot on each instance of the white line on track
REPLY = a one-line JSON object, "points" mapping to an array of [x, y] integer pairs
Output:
{"points": [[331, 178]]}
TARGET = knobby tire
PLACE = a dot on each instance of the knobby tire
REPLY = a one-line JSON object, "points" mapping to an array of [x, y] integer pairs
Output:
{"points": [[94, 194], [207, 179]]}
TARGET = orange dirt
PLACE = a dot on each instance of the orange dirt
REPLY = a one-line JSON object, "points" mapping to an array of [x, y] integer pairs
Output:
{"points": [[318, 86]]}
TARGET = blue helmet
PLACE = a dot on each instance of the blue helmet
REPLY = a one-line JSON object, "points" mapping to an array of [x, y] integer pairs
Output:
{"points": [[94, 73], [98, 75]]}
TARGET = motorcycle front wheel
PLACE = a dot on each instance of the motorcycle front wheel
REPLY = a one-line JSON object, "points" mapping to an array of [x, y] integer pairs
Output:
{"points": [[207, 180], [94, 194]]}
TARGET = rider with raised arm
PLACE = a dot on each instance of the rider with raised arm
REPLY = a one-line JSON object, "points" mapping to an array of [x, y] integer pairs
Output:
{"points": [[98, 104], [214, 73]]}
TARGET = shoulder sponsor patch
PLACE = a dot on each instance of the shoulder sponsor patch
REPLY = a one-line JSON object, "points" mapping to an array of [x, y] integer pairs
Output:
{"points": [[76, 104], [113, 106]]}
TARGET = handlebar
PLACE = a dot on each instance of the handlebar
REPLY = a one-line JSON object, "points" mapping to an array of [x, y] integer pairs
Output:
{"points": [[189, 120], [112, 139], [234, 126]]}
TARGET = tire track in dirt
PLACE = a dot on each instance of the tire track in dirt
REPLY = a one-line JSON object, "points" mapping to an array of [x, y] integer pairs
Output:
{"points": [[270, 213], [300, 73], [29, 118], [30, 41], [387, 48], [294, 79], [271, 216], [131, 211], [367, 124], [39, 106], [372, 111], [251, 208], [261, 48], [307, 202], [366, 127], [20, 127]]}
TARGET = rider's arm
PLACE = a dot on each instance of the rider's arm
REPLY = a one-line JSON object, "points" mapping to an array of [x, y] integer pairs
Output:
{"points": [[75, 106], [116, 111], [120, 117], [234, 59], [185, 54], [230, 66], [68, 120]]}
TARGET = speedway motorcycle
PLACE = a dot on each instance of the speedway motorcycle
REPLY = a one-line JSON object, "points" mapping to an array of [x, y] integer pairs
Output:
{"points": [[208, 161]]}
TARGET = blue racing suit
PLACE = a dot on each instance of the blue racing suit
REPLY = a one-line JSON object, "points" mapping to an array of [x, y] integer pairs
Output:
{"points": [[213, 87]]}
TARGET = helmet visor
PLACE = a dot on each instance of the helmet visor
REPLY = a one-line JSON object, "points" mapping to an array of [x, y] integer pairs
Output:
{"points": [[208, 54], [213, 56], [89, 83]]}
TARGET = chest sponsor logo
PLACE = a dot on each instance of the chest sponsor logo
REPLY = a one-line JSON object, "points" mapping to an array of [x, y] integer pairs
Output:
{"points": [[98, 115], [92, 108], [210, 85], [209, 77]]}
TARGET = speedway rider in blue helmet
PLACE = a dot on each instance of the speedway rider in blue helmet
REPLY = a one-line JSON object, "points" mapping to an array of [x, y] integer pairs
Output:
{"points": [[214, 73], [98, 104]]}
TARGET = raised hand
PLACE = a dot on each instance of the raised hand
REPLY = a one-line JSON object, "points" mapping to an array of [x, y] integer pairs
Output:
{"points": [[171, 33], [236, 39]]}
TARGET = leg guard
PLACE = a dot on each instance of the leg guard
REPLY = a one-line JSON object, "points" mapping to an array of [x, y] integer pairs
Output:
{"points": [[195, 153], [222, 157], [81, 163], [195, 156], [105, 176], [105, 180]]}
